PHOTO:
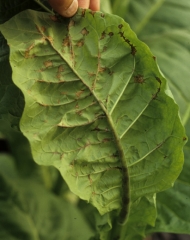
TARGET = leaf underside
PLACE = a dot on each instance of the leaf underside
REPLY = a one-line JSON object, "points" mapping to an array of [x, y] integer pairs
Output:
{"points": [[97, 110]]}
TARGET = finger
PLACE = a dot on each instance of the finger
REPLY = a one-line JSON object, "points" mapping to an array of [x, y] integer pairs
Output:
{"points": [[66, 8], [95, 5], [84, 3]]}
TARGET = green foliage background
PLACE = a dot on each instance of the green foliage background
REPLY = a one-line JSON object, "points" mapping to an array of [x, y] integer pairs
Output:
{"points": [[163, 25]]}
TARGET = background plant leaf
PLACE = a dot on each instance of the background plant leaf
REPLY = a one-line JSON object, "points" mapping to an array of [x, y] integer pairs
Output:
{"points": [[173, 205], [11, 98], [95, 105], [29, 211], [164, 26]]}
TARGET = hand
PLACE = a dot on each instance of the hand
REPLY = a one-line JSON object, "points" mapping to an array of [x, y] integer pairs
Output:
{"points": [[68, 8]]}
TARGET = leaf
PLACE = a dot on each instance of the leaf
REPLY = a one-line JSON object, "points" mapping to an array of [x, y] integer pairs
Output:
{"points": [[164, 26], [29, 211], [173, 205], [105, 6], [11, 98], [97, 109], [11, 108], [165, 29]]}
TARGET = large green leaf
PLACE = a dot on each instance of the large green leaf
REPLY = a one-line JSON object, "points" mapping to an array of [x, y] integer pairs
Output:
{"points": [[97, 109], [29, 212]]}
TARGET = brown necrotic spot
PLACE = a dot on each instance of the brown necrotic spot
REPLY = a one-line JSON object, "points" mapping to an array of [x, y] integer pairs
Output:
{"points": [[41, 29], [120, 26], [79, 93], [54, 18], [80, 43], [90, 180], [158, 79], [101, 69], [121, 34], [102, 15], [71, 23], [154, 58], [110, 34], [48, 64], [83, 12], [110, 72], [27, 52], [155, 96], [104, 49], [59, 71], [133, 49], [50, 39], [66, 42], [91, 74], [79, 112], [139, 79], [84, 32], [127, 40], [103, 35], [93, 13], [105, 140]]}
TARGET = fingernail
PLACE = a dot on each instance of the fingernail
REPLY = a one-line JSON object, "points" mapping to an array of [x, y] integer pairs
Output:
{"points": [[71, 10]]}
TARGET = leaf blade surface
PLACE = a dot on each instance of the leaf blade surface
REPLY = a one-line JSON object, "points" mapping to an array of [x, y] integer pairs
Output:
{"points": [[96, 109]]}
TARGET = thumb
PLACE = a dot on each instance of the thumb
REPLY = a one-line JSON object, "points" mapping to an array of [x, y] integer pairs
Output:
{"points": [[66, 8]]}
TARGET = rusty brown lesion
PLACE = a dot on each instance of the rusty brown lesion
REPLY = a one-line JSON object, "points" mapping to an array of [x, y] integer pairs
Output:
{"points": [[27, 52], [103, 35], [101, 69], [40, 29], [83, 12], [92, 12], [106, 140], [48, 64], [80, 43], [91, 74], [54, 18], [155, 95], [84, 32], [66, 42], [104, 49], [120, 26], [133, 49], [90, 179], [59, 71], [79, 112], [50, 39], [79, 93], [71, 23], [110, 72], [110, 34], [139, 79], [158, 79]]}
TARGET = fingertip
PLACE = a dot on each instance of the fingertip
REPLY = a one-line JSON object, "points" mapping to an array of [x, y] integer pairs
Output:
{"points": [[95, 5], [69, 12], [65, 8]]}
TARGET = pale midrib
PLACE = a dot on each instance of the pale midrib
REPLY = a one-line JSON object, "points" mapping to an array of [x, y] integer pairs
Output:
{"points": [[139, 160], [134, 121], [125, 199], [119, 97], [148, 16]]}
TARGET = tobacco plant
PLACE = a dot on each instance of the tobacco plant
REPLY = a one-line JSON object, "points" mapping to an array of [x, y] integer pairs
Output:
{"points": [[85, 99]]}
